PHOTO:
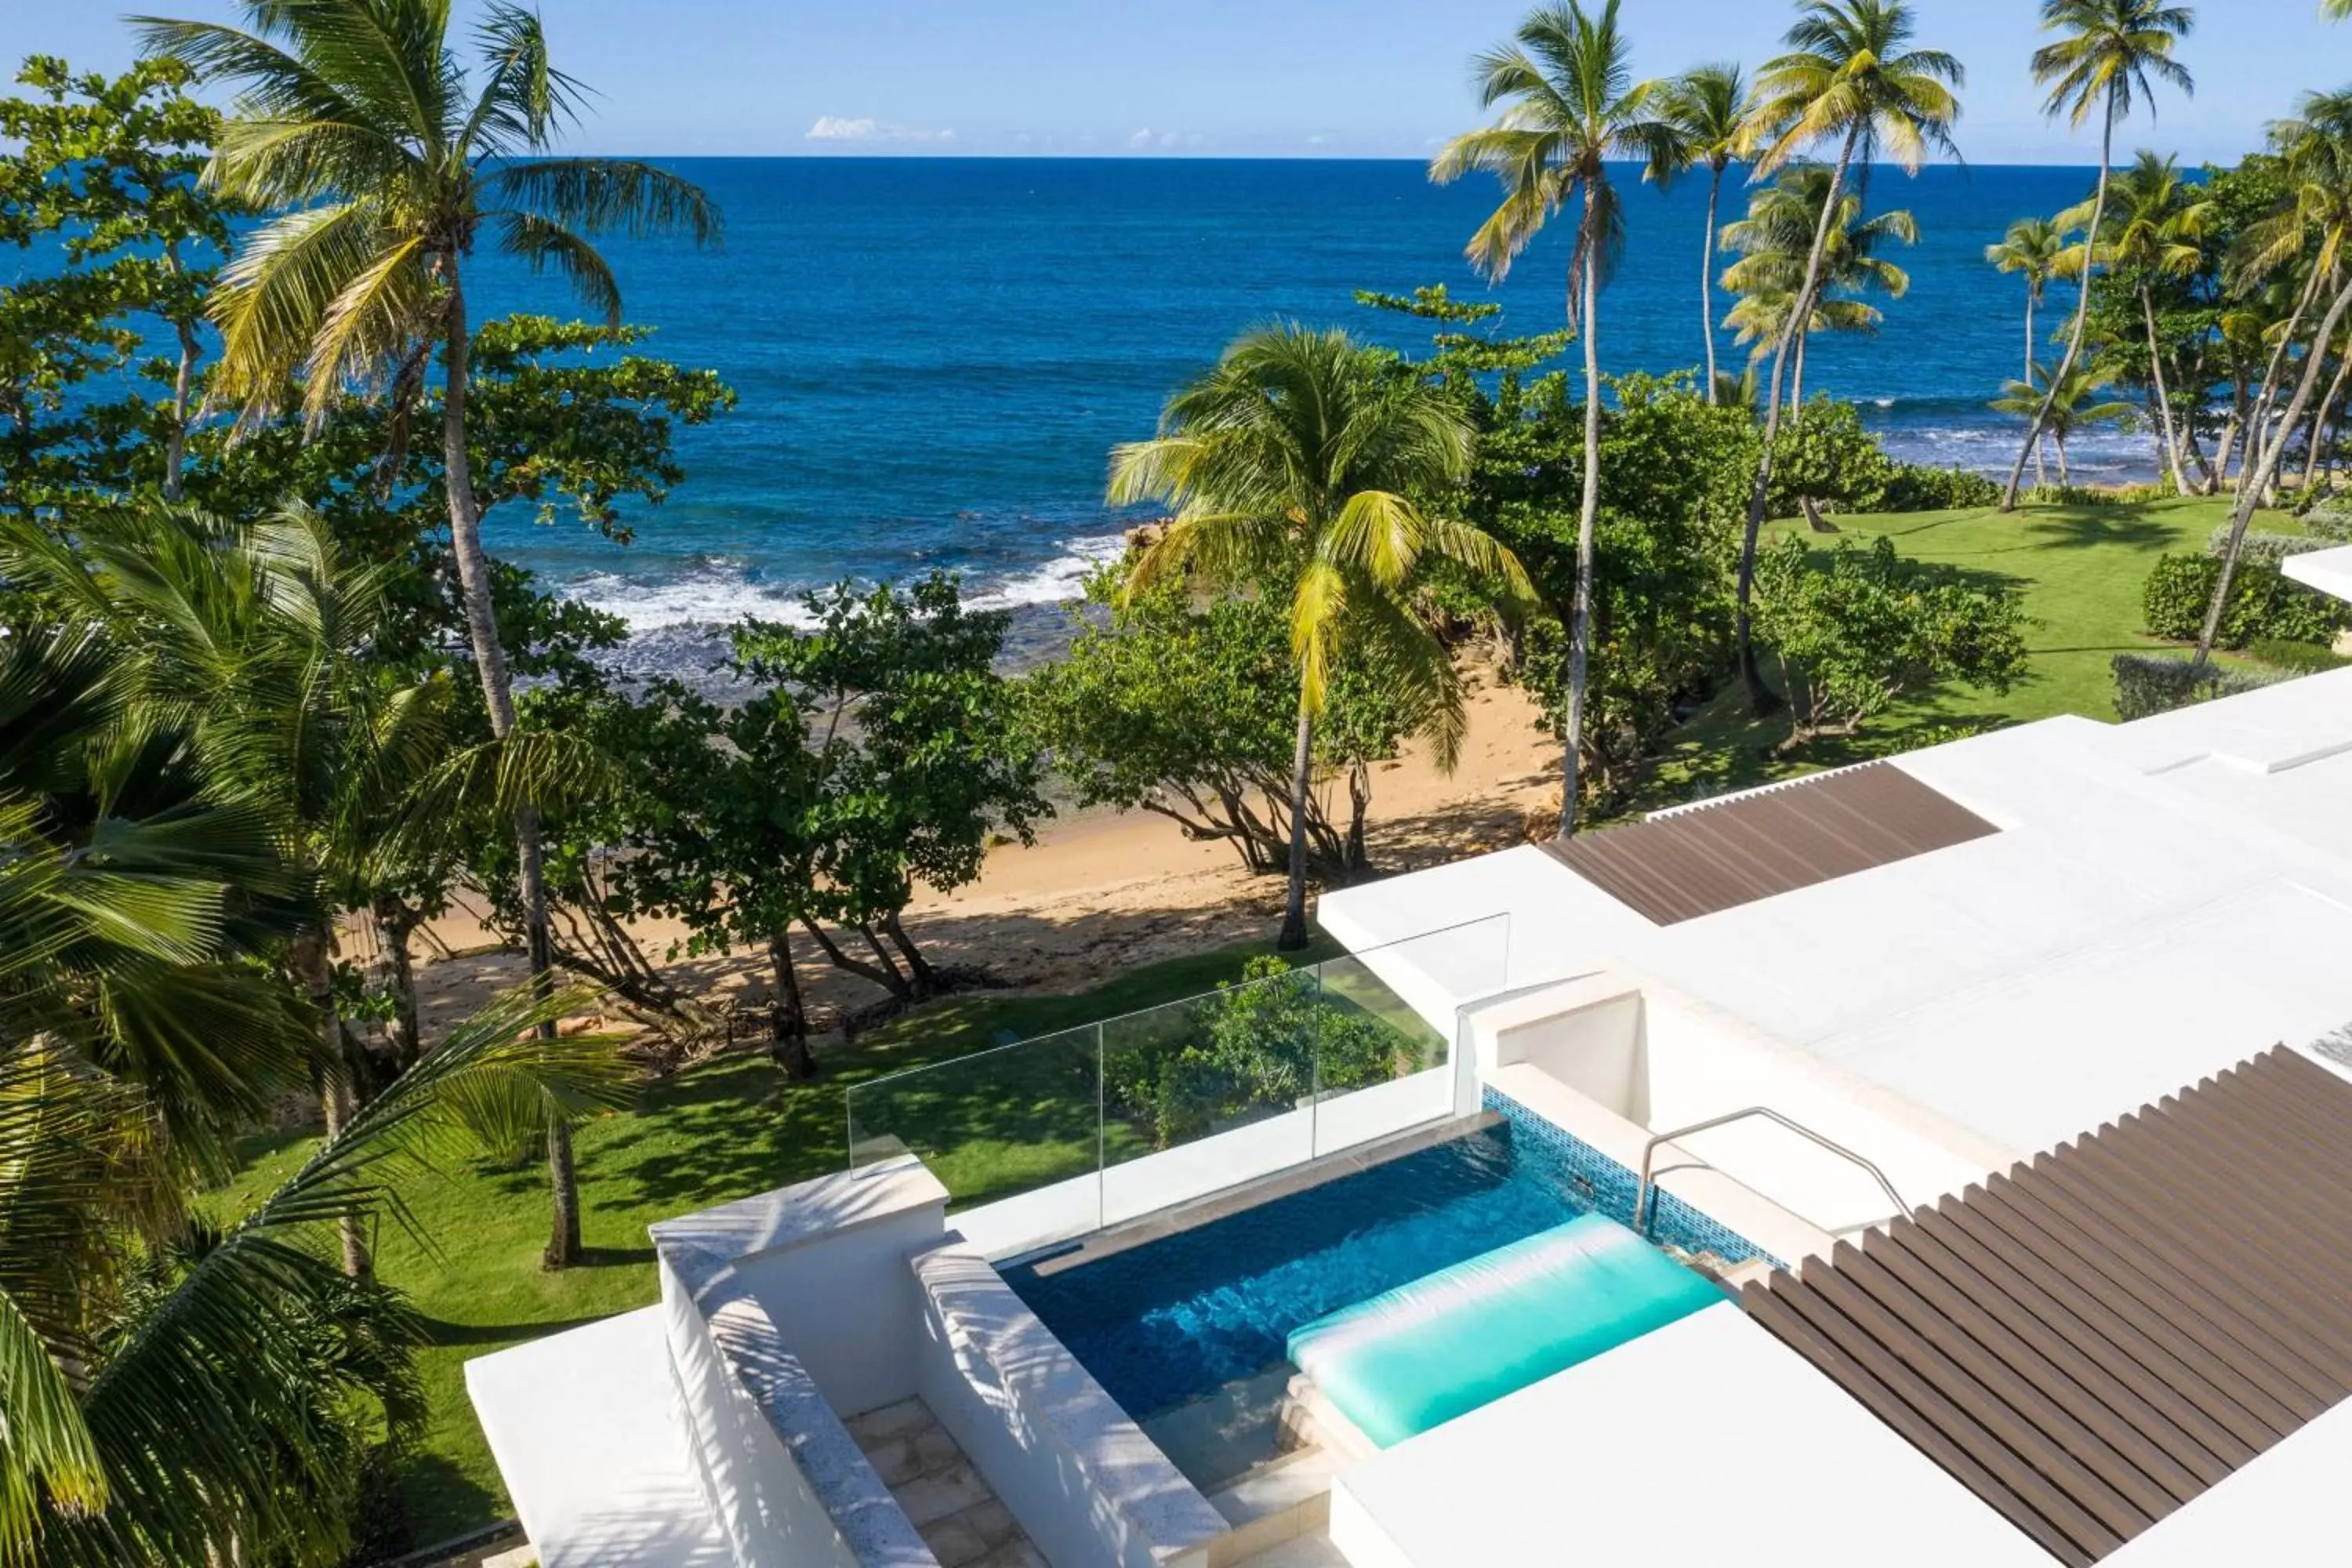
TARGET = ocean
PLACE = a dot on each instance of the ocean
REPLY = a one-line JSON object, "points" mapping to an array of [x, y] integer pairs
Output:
{"points": [[935, 355]]}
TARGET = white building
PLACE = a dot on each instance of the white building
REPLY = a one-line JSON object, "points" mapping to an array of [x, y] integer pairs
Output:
{"points": [[2135, 911]]}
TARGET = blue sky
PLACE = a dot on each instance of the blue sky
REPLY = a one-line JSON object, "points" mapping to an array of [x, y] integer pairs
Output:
{"points": [[1222, 78]]}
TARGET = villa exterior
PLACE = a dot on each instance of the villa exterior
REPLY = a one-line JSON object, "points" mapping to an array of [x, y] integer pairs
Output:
{"points": [[2022, 1074]]}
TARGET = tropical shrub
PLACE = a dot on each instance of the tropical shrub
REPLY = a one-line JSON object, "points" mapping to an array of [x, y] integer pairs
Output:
{"points": [[1189, 710], [1259, 1047], [2296, 658], [2152, 683], [1918, 487], [1827, 461], [2264, 602], [2331, 519], [1868, 627], [2096, 495], [2265, 548]]}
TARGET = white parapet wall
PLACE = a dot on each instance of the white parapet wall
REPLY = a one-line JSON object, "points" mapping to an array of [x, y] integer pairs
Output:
{"points": [[1084, 1482], [781, 1314]]}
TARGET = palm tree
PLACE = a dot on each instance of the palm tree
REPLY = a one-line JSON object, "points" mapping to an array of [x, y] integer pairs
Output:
{"points": [[1775, 242], [2320, 155], [1300, 458], [355, 123], [260, 639], [1708, 109], [1573, 106], [2113, 54], [2069, 403], [2034, 249], [2153, 222], [1854, 79], [2316, 151]]}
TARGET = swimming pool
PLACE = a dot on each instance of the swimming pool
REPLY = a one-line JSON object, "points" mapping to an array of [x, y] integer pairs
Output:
{"points": [[1179, 1319]]}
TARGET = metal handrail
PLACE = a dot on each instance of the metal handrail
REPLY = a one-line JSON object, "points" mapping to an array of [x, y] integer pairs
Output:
{"points": [[1650, 1153]]}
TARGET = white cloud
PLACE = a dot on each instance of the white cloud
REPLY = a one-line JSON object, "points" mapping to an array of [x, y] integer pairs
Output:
{"points": [[843, 128], [1140, 139]]}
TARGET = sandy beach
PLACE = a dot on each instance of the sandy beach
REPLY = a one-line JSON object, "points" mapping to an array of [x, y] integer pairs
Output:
{"points": [[1102, 891]]}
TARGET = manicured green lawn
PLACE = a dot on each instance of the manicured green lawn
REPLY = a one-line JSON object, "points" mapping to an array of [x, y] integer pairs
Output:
{"points": [[2081, 570], [721, 1132]]}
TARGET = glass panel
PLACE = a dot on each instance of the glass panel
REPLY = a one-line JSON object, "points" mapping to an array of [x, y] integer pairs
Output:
{"points": [[993, 1125], [1383, 1061], [1227, 1080]]}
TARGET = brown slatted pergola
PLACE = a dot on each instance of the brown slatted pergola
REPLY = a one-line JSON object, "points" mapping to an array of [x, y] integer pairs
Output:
{"points": [[2094, 1340], [1714, 857]]}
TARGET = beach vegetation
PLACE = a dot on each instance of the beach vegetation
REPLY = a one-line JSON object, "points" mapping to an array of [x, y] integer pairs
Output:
{"points": [[1854, 79], [1858, 632], [385, 167], [1774, 243], [1570, 107], [2035, 250], [1184, 708], [2265, 604], [1302, 458], [842, 763], [2065, 409], [1708, 109], [2106, 60]]}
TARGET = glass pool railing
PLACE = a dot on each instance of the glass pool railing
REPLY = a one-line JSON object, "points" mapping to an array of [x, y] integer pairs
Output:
{"points": [[1127, 1116]]}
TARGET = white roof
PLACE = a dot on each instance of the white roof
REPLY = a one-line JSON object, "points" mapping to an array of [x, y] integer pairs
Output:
{"points": [[2164, 900]]}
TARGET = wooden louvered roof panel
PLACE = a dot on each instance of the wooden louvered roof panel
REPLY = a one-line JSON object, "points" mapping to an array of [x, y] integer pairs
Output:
{"points": [[2094, 1340], [1701, 861]]}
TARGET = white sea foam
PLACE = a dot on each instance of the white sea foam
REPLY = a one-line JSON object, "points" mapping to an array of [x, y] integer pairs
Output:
{"points": [[723, 591], [1058, 580], [709, 597]]}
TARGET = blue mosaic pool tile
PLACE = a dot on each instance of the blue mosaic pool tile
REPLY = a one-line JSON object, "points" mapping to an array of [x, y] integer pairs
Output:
{"points": [[1611, 1189]]}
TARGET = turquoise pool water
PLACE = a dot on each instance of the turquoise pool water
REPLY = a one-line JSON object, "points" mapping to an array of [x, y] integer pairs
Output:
{"points": [[1178, 1318], [1418, 1356]]}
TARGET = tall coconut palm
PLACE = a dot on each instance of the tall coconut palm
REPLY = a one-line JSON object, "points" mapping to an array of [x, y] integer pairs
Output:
{"points": [[1852, 79], [356, 122], [2314, 147], [1303, 457], [1708, 109], [2072, 405], [1572, 107], [2321, 157], [2034, 249], [2111, 56], [1775, 243], [2153, 222]]}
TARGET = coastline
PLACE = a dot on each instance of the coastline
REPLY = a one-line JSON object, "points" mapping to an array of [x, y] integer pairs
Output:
{"points": [[1101, 891]]}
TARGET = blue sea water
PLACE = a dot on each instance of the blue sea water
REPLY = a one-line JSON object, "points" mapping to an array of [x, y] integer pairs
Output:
{"points": [[935, 356]]}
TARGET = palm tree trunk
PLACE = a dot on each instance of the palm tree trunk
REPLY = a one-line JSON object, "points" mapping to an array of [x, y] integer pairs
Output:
{"points": [[2258, 422], [1302, 767], [2163, 395], [1797, 372], [2319, 422], [308, 954], [1706, 280], [2029, 334], [497, 694], [1579, 624], [2251, 489], [396, 925], [2065, 474], [2082, 307], [184, 383], [1761, 699]]}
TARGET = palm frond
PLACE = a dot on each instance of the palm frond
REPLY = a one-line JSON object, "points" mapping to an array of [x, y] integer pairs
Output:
{"points": [[605, 195]]}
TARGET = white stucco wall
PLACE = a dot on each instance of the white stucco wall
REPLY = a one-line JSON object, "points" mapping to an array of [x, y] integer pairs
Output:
{"points": [[1088, 1486]]}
